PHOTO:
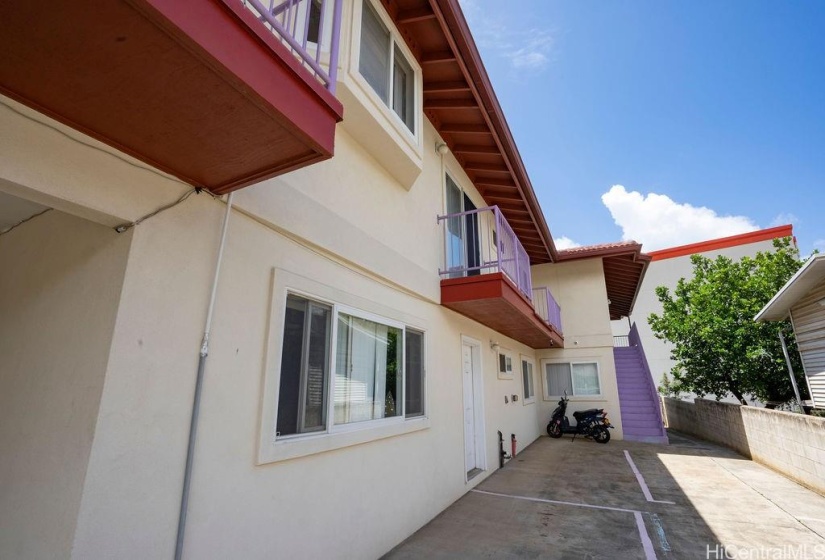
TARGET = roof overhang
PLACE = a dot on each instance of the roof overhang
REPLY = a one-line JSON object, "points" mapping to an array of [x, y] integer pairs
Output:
{"points": [[624, 269], [811, 274], [460, 102]]}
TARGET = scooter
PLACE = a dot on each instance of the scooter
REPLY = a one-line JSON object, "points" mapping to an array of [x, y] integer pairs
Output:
{"points": [[591, 423]]}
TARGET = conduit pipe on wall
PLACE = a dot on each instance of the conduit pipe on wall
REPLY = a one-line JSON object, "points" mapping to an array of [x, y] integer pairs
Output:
{"points": [[196, 404]]}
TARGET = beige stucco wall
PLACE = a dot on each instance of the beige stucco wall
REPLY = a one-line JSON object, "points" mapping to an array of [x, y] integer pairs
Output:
{"points": [[344, 229], [580, 290], [59, 290], [370, 496]]}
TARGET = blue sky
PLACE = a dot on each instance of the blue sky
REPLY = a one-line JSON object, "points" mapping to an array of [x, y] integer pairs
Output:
{"points": [[667, 122]]}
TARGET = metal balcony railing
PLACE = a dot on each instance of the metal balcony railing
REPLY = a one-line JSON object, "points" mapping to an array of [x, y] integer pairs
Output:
{"points": [[309, 28], [546, 307], [482, 242], [621, 341]]}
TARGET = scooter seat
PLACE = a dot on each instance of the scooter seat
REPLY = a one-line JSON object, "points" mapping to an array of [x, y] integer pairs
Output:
{"points": [[585, 413]]}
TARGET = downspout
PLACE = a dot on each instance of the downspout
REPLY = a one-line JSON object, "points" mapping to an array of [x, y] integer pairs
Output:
{"points": [[790, 371], [196, 404]]}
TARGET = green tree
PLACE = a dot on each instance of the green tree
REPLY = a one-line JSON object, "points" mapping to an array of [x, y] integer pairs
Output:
{"points": [[718, 347], [667, 389]]}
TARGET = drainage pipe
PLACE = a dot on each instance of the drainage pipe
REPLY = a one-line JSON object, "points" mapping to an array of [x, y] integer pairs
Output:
{"points": [[196, 404], [790, 371]]}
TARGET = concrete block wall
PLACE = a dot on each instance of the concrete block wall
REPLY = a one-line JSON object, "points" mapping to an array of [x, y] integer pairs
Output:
{"points": [[789, 443]]}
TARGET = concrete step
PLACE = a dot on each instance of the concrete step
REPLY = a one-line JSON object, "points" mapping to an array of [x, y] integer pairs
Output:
{"points": [[640, 424], [635, 392], [646, 431], [640, 375], [634, 385], [638, 410], [647, 439], [629, 399]]}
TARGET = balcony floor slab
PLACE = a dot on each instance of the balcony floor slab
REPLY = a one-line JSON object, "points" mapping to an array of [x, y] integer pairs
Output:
{"points": [[492, 300]]}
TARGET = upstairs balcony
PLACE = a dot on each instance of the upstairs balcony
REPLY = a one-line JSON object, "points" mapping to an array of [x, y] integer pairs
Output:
{"points": [[220, 93], [486, 277]]}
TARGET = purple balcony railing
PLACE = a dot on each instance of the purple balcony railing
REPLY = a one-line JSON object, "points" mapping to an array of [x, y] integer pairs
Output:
{"points": [[546, 307], [482, 242], [309, 28]]}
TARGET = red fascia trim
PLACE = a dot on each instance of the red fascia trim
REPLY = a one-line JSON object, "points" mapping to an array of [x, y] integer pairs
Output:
{"points": [[724, 242]]}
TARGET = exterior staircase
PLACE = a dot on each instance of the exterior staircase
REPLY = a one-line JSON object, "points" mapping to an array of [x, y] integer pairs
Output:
{"points": [[638, 398]]}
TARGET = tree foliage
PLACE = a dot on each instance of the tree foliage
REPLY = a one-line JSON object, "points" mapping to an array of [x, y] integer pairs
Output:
{"points": [[717, 346]]}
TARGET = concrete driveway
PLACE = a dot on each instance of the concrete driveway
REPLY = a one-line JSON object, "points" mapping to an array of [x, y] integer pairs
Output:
{"points": [[690, 499]]}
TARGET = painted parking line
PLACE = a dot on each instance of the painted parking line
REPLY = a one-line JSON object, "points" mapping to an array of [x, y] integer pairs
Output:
{"points": [[647, 544], [641, 480]]}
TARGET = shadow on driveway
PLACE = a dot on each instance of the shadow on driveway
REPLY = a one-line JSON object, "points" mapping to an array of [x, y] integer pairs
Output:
{"points": [[563, 499]]}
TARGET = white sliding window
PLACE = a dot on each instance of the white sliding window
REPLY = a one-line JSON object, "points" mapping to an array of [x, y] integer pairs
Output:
{"points": [[385, 68], [367, 371], [377, 366]]}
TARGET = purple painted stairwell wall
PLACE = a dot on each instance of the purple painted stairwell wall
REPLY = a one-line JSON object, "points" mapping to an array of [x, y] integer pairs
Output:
{"points": [[638, 398]]}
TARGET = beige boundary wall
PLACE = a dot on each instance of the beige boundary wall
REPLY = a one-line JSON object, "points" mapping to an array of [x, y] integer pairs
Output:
{"points": [[790, 443]]}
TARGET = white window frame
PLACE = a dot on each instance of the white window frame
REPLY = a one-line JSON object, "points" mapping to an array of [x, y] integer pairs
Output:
{"points": [[331, 427], [508, 357], [396, 44], [524, 399], [546, 388]]}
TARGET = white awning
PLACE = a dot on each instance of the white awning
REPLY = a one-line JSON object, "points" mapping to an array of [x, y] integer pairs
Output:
{"points": [[811, 273]]}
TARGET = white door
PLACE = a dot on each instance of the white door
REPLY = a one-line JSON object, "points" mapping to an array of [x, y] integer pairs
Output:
{"points": [[469, 408]]}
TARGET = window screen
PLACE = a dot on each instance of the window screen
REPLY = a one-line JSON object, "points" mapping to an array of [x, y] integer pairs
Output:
{"points": [[304, 365], [414, 369], [374, 62], [558, 379], [527, 379]]}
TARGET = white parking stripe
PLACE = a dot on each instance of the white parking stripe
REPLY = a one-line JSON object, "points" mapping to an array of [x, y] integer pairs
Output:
{"points": [[647, 544], [553, 501], [641, 480]]}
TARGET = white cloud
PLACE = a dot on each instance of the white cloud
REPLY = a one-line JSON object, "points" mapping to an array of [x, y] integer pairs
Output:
{"points": [[784, 218], [657, 222], [533, 55], [525, 48], [563, 243]]}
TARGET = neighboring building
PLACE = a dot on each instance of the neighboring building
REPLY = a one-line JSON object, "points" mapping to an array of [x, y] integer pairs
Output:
{"points": [[802, 300], [379, 315], [667, 267]]}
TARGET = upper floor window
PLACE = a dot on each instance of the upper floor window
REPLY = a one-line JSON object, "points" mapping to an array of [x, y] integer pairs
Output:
{"points": [[384, 67]]}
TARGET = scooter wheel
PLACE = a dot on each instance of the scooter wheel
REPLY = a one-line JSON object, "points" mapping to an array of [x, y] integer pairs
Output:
{"points": [[601, 435], [554, 430]]}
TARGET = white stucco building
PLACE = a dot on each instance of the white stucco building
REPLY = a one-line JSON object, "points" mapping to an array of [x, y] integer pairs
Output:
{"points": [[667, 267], [372, 320]]}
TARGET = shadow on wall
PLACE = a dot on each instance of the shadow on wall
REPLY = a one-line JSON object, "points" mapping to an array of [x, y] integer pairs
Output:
{"points": [[792, 444]]}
